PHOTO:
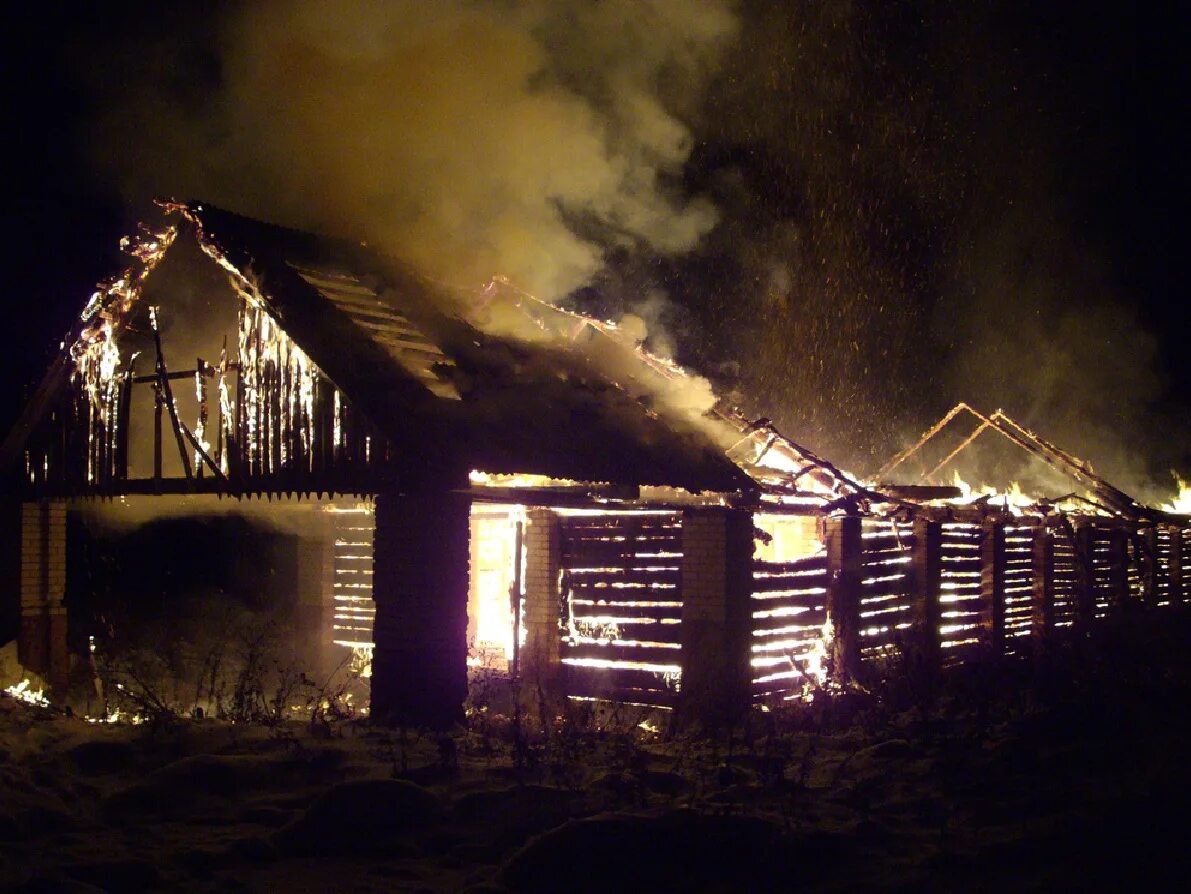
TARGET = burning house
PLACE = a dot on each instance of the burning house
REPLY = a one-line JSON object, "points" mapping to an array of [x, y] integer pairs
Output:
{"points": [[485, 480]]}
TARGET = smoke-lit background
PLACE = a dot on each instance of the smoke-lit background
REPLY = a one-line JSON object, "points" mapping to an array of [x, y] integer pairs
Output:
{"points": [[849, 215]]}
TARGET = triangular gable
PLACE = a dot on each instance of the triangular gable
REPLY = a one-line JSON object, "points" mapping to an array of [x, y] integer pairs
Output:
{"points": [[86, 350], [522, 411], [1105, 495]]}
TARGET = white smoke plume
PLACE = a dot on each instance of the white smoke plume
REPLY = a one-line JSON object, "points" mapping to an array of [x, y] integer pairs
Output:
{"points": [[521, 137]]}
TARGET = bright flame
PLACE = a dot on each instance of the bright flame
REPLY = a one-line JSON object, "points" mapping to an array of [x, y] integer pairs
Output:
{"points": [[267, 356], [1181, 504], [95, 354], [517, 479], [493, 562], [25, 692], [1013, 499]]}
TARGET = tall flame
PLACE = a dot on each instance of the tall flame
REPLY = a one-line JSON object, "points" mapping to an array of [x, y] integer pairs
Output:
{"points": [[1181, 504]]}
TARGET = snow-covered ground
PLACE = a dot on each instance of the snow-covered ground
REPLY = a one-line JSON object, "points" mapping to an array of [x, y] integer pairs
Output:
{"points": [[1076, 779]]}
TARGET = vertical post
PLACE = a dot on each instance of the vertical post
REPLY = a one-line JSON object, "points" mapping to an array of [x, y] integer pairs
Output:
{"points": [[123, 414], [717, 557], [927, 575], [41, 646], [515, 598], [992, 584], [157, 436], [844, 555], [201, 433], [1176, 566], [420, 577], [166, 395], [1118, 563], [1085, 596], [542, 657], [1044, 584], [1151, 568]]}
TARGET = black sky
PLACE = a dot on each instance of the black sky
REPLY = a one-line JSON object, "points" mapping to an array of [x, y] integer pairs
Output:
{"points": [[900, 186]]}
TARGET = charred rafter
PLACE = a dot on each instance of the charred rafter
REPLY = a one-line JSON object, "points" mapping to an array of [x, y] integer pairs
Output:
{"points": [[1116, 500]]}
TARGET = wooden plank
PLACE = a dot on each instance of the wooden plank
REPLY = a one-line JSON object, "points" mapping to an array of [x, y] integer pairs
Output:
{"points": [[621, 532], [632, 699], [615, 676], [813, 620], [796, 587], [621, 527], [592, 580], [640, 628], [609, 551], [891, 550], [816, 564], [897, 586], [784, 644], [618, 651], [959, 567], [617, 686], [580, 588], [583, 612], [628, 630], [761, 602]]}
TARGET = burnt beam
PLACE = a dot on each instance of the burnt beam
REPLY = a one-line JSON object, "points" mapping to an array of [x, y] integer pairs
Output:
{"points": [[1043, 597], [844, 556], [1120, 599], [1151, 569], [992, 585], [926, 580], [165, 394], [1085, 594]]}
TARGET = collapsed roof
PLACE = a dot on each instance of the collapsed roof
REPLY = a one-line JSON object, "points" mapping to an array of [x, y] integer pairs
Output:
{"points": [[494, 380], [1101, 496]]}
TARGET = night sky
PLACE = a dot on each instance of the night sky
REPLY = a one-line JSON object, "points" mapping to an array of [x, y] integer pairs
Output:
{"points": [[914, 203]]}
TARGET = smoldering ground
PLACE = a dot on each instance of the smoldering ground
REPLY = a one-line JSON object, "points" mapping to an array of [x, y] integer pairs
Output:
{"points": [[852, 215]]}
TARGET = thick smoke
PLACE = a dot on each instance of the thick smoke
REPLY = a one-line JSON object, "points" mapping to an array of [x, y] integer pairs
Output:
{"points": [[469, 138], [858, 213]]}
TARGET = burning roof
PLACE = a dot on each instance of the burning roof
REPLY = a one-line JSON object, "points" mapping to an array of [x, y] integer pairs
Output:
{"points": [[489, 379], [447, 392], [1094, 493], [494, 379]]}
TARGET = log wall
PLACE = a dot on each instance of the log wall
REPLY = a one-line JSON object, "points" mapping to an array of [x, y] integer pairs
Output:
{"points": [[620, 582]]}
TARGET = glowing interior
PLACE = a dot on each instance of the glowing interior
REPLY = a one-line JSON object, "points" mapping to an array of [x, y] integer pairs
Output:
{"points": [[490, 606]]}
